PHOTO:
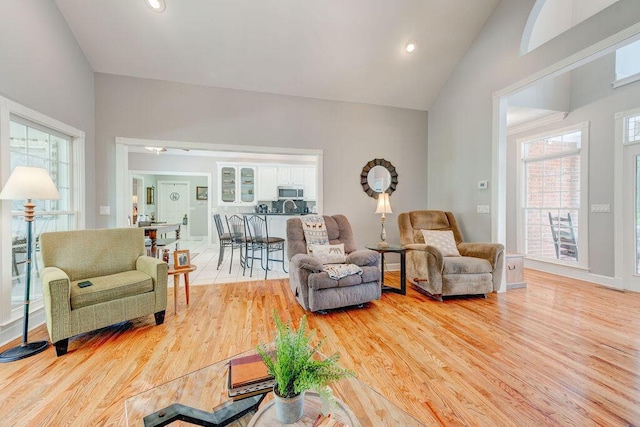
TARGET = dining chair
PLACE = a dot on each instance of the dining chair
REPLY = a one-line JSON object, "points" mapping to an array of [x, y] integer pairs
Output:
{"points": [[258, 240], [224, 238], [236, 227]]}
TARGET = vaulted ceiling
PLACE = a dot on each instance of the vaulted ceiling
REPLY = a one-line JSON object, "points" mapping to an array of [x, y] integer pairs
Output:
{"points": [[345, 50]]}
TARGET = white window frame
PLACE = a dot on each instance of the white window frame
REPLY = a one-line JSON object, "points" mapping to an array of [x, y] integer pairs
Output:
{"points": [[583, 222], [11, 319], [621, 140]]}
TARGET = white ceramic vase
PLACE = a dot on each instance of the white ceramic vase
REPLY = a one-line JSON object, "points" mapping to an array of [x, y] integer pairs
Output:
{"points": [[289, 409]]}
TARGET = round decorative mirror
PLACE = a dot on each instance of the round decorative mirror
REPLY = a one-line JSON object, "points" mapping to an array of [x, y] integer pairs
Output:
{"points": [[378, 176]]}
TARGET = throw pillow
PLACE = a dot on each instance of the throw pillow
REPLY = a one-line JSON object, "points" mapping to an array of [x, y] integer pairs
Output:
{"points": [[329, 254], [443, 240]]}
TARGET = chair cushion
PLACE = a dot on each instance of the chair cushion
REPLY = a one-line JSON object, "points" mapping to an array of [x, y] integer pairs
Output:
{"points": [[109, 288], [466, 265]]}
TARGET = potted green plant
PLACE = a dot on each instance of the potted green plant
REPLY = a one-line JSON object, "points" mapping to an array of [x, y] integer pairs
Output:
{"points": [[297, 367]]}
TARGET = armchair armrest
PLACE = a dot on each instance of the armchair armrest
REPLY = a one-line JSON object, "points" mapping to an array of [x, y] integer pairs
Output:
{"points": [[428, 250], [158, 270], [152, 266], [363, 258], [56, 290], [306, 262], [489, 251]]}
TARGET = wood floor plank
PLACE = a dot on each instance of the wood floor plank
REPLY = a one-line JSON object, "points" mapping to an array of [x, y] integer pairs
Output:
{"points": [[558, 352]]}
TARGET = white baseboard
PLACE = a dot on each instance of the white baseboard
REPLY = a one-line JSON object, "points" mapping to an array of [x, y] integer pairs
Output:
{"points": [[13, 329], [573, 273], [392, 267]]}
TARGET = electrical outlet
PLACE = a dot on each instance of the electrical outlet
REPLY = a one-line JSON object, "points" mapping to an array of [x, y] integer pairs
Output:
{"points": [[482, 209], [105, 210]]}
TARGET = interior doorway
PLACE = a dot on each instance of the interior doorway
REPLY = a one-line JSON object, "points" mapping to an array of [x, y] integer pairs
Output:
{"points": [[174, 206]]}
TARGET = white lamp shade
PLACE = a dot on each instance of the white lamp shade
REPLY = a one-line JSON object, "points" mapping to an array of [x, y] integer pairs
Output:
{"points": [[384, 207], [134, 199], [29, 183]]}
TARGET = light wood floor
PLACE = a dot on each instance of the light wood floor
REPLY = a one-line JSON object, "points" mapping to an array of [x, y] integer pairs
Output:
{"points": [[560, 352]]}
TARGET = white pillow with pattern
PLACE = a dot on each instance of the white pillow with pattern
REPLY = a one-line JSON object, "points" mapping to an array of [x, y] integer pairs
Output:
{"points": [[329, 254], [443, 240]]}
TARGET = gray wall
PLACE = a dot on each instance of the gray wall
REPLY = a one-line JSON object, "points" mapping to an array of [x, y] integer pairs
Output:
{"points": [[349, 134], [42, 67], [460, 121]]}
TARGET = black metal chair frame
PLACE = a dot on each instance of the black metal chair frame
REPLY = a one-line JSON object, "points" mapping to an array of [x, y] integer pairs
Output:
{"points": [[564, 238], [224, 238], [259, 241], [236, 227]]}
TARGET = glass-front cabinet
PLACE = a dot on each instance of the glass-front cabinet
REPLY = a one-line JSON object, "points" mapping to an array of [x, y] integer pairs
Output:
{"points": [[236, 185]]}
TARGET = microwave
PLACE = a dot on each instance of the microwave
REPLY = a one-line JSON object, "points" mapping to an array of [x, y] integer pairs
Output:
{"points": [[294, 192]]}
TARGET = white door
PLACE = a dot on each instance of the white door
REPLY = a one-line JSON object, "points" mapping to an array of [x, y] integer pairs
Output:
{"points": [[631, 217], [173, 204]]}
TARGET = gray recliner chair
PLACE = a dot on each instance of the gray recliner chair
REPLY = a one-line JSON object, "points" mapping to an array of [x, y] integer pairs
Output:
{"points": [[312, 287]]}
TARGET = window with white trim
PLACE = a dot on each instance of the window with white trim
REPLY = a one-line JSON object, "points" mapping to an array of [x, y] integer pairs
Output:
{"points": [[627, 64], [553, 190], [34, 139], [632, 129], [36, 145]]}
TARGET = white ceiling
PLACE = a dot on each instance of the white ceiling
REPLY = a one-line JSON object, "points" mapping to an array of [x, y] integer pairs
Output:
{"points": [[345, 50]]}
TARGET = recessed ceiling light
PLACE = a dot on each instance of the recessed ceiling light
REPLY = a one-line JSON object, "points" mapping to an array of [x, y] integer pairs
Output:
{"points": [[410, 47], [156, 5]]}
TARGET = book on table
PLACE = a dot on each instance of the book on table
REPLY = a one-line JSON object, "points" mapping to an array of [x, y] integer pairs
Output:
{"points": [[248, 376]]}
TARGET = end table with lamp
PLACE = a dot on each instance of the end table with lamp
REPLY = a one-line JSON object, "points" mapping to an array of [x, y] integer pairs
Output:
{"points": [[391, 248]]}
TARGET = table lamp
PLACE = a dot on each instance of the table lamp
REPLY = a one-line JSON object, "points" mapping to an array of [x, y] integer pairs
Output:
{"points": [[27, 183], [383, 208]]}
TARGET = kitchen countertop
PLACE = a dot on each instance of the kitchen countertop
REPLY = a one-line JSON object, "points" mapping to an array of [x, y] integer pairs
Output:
{"points": [[282, 214]]}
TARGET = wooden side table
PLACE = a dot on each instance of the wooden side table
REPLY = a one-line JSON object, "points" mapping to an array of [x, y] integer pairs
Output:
{"points": [[403, 271], [176, 272]]}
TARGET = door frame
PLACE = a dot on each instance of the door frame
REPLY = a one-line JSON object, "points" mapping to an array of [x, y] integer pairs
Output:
{"points": [[620, 164]]}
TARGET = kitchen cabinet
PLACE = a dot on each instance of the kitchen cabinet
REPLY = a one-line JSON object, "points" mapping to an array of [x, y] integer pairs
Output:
{"points": [[267, 183], [290, 175], [236, 185]]}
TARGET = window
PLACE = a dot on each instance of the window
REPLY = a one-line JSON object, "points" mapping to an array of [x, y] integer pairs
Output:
{"points": [[632, 129], [552, 173], [35, 145], [36, 140], [627, 64]]}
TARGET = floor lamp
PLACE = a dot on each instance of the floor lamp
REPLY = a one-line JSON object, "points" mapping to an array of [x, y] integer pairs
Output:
{"points": [[27, 183]]}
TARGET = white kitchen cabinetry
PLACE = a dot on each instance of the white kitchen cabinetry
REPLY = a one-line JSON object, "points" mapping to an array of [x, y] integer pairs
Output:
{"points": [[267, 183], [290, 175], [310, 184], [236, 185]]}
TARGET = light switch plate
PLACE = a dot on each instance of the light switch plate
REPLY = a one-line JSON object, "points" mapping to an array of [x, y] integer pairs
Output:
{"points": [[483, 185], [482, 209], [105, 210], [601, 208]]}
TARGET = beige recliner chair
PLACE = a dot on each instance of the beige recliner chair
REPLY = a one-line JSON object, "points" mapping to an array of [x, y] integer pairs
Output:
{"points": [[477, 269]]}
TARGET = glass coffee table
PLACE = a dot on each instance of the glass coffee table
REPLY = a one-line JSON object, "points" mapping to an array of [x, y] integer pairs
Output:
{"points": [[200, 398]]}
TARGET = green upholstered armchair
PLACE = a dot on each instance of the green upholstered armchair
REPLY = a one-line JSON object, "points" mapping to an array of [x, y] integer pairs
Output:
{"points": [[125, 283], [475, 269]]}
